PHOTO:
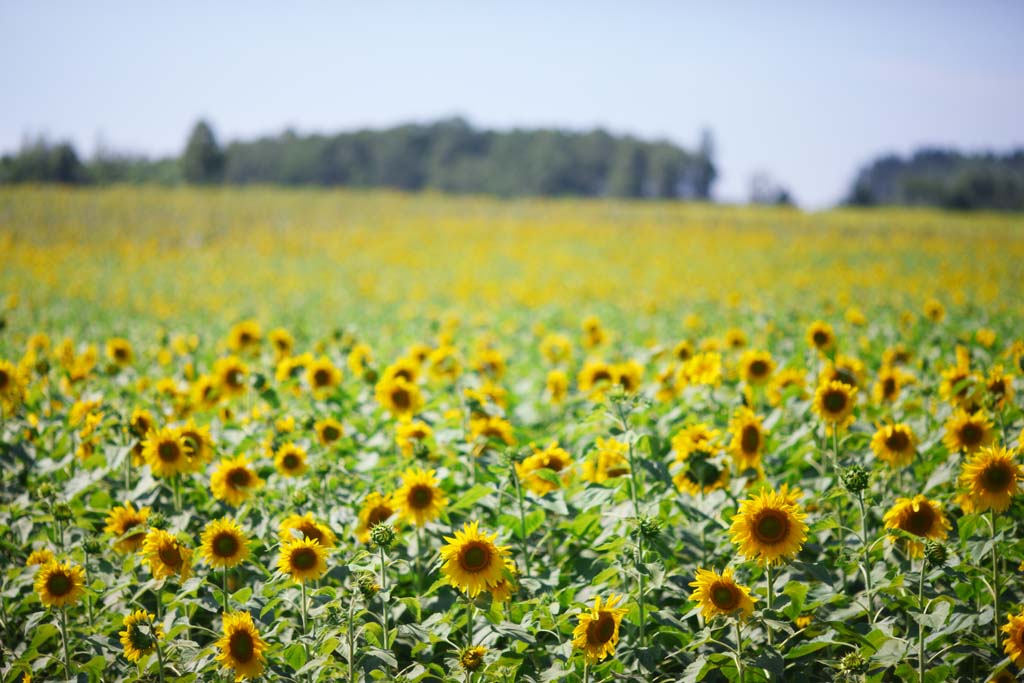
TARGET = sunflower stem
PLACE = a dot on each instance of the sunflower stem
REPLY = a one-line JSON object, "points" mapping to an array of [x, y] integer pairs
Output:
{"points": [[159, 653], [64, 640], [640, 588], [835, 450], [739, 651], [920, 629], [866, 563], [225, 587], [770, 579], [995, 577], [383, 596], [416, 557], [469, 622], [176, 489], [586, 671], [302, 587], [351, 641], [522, 521]]}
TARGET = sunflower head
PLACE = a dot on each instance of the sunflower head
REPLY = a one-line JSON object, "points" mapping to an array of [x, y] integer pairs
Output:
{"points": [[472, 658], [834, 402], [769, 527], [302, 559], [223, 543], [472, 562], [328, 430], [399, 396], [165, 452], [40, 558], [60, 585], [234, 480], [895, 444], [968, 432], [597, 631], [166, 555], [747, 438], [241, 647], [376, 508], [231, 376], [757, 367], [139, 635], [128, 526], [282, 341], [420, 499], [991, 478], [554, 459], [245, 335], [1013, 645], [306, 526], [920, 517], [290, 460], [820, 336], [720, 594], [322, 376]]}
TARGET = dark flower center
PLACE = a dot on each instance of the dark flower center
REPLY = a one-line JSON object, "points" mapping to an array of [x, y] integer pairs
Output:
{"points": [[602, 376], [59, 584], [304, 559], [919, 522], [378, 515], [971, 434], [996, 478], [834, 401], [241, 646], [139, 639], [420, 497], [291, 461], [701, 471], [820, 338], [602, 629], [750, 439], [889, 387], [225, 544], [330, 433], [4, 379], [897, 441], [311, 532], [400, 397], [476, 557], [168, 451], [758, 368], [170, 556], [771, 526], [321, 377], [233, 378], [724, 597], [238, 478]]}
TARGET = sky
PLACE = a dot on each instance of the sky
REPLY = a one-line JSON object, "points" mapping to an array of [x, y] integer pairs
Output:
{"points": [[804, 91]]}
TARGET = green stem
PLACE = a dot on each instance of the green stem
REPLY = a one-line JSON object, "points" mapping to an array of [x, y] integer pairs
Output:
{"points": [[586, 671], [176, 486], [640, 587], [995, 578], [88, 597], [739, 652], [64, 640], [383, 599], [522, 522], [866, 564], [920, 629], [469, 622], [302, 585], [227, 603], [351, 641], [771, 600], [835, 449], [159, 653]]}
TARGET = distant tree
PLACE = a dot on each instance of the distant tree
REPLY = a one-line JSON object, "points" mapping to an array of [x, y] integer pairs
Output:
{"points": [[40, 162], [203, 161], [765, 190]]}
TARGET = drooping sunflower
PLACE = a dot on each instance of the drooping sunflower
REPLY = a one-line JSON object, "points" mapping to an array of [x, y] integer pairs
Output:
{"points": [[920, 517], [553, 458], [490, 427], [597, 632], [1013, 646], [410, 433], [231, 376], [608, 461], [834, 403], [420, 499], [302, 559], [999, 386], [991, 478], [595, 377], [198, 444], [290, 460], [40, 558], [164, 452], [472, 561], [119, 352], [376, 508], [820, 336], [756, 367], [748, 434], [968, 432], [234, 481], [223, 543], [60, 585], [895, 444], [769, 527], [306, 526], [328, 430], [241, 647], [244, 336], [322, 376], [139, 635], [166, 555], [124, 519], [720, 594], [399, 396]]}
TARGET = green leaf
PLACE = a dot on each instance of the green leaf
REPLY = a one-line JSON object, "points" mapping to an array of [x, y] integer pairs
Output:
{"points": [[295, 655], [242, 595], [471, 496]]}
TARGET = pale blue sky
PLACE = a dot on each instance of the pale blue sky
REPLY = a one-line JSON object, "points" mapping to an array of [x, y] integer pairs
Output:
{"points": [[804, 90]]}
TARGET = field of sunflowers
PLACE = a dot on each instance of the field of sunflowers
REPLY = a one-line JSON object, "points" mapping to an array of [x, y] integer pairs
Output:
{"points": [[311, 435]]}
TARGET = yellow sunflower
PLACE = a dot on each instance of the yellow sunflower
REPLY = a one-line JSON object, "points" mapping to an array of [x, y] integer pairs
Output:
{"points": [[628, 375], [139, 635], [119, 352], [891, 381], [845, 369], [40, 558], [968, 432], [322, 376], [124, 519], [895, 444], [166, 555], [608, 461], [703, 369], [410, 433], [747, 442], [720, 594], [231, 375], [787, 380], [920, 517], [328, 430], [282, 341], [399, 396], [241, 648], [302, 559], [999, 386], [306, 526], [60, 585], [244, 336], [959, 386], [557, 386], [290, 460], [376, 508], [991, 478], [595, 377], [490, 427], [756, 367], [594, 334], [472, 658], [359, 358], [12, 385], [234, 481], [769, 526], [552, 458], [141, 422], [164, 452], [223, 543], [419, 499], [502, 590], [683, 351], [1013, 646], [934, 310], [820, 336], [198, 444], [597, 632], [472, 561], [735, 338], [834, 403], [556, 348]]}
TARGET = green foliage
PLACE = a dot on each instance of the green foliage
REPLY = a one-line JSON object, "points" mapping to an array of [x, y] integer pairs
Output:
{"points": [[203, 160]]}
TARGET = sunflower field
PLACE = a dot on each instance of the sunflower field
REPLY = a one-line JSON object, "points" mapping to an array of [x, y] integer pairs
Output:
{"points": [[312, 435]]}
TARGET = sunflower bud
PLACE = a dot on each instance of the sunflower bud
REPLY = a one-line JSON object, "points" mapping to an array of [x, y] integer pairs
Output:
{"points": [[368, 585], [93, 545], [62, 511], [45, 491], [935, 553], [382, 535], [472, 658], [299, 497], [853, 664], [648, 527], [370, 376], [855, 478], [157, 520], [420, 450]]}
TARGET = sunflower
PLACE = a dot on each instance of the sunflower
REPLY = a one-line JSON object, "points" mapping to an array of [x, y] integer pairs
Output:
{"points": [[557, 386], [683, 351], [595, 377], [141, 422], [769, 526], [290, 460], [786, 381], [59, 585], [757, 367], [12, 385], [834, 403], [1003, 675], [322, 376], [407, 368], [139, 641], [302, 559], [747, 442], [845, 369], [1013, 646], [40, 558], [230, 374], [490, 427], [735, 338], [376, 508], [720, 594], [959, 386], [556, 348], [704, 368], [891, 381], [934, 310], [241, 648], [594, 334], [419, 499], [999, 386], [490, 362], [628, 375], [124, 519], [552, 458], [609, 461], [328, 430], [244, 336], [119, 352], [472, 658], [472, 562], [920, 517], [198, 444], [399, 396], [991, 478], [598, 630], [502, 590], [411, 433], [306, 526], [444, 363], [282, 341], [167, 556], [359, 358], [164, 452], [204, 392], [234, 481], [223, 543], [820, 336], [894, 444], [968, 432]]}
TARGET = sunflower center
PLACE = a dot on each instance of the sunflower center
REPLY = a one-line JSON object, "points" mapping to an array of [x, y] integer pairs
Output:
{"points": [[120, 353], [771, 527], [233, 378], [846, 377], [239, 478], [140, 640], [996, 478], [304, 559], [168, 451], [820, 338], [321, 377], [140, 426], [311, 532], [4, 379], [919, 522], [834, 401], [330, 433], [602, 629], [59, 584], [400, 397], [290, 461], [476, 557], [758, 368], [225, 545], [702, 471], [170, 556], [241, 646], [889, 386], [750, 439], [627, 383], [997, 387], [724, 597], [602, 376], [420, 497], [555, 463], [971, 434], [898, 441], [378, 515], [193, 444]]}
